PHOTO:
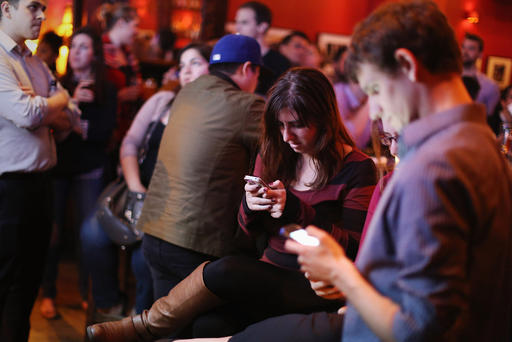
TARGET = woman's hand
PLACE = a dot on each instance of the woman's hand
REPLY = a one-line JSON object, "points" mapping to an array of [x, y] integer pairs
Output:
{"points": [[170, 75], [83, 93], [27, 90], [272, 199], [254, 196], [277, 195]]}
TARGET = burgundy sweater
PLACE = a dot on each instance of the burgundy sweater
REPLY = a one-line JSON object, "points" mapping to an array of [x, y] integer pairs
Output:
{"points": [[338, 208]]}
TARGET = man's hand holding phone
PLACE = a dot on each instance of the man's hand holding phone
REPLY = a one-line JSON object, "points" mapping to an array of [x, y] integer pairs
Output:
{"points": [[300, 236], [322, 262], [325, 289], [295, 232]]}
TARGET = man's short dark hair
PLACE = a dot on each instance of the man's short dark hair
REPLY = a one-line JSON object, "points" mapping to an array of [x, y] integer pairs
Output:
{"points": [[475, 38], [228, 68], [418, 26], [289, 37], [111, 13], [53, 40], [261, 12], [12, 3]]}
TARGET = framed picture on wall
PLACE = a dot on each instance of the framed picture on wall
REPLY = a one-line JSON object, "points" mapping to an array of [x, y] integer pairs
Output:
{"points": [[329, 43], [498, 69]]}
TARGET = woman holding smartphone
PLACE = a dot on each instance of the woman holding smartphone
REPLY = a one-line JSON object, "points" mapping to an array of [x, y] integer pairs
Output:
{"points": [[315, 175]]}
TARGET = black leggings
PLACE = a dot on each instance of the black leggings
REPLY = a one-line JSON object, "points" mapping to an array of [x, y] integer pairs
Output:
{"points": [[316, 327], [253, 291]]}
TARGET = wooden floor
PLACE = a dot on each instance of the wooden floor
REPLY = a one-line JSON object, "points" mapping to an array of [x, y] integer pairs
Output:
{"points": [[70, 327]]}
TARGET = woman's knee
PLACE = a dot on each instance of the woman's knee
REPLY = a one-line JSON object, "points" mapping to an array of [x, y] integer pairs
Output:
{"points": [[232, 274], [226, 267]]}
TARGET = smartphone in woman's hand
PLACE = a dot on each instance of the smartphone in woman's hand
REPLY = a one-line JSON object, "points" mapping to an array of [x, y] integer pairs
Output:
{"points": [[256, 180]]}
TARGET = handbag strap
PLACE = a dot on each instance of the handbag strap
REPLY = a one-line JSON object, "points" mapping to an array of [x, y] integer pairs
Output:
{"points": [[143, 151]]}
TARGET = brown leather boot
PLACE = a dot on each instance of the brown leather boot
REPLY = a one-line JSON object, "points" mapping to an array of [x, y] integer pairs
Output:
{"points": [[184, 302], [129, 329], [168, 314]]}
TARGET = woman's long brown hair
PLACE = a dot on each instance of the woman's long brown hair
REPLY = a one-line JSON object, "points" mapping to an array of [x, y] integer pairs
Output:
{"points": [[97, 65], [307, 93]]}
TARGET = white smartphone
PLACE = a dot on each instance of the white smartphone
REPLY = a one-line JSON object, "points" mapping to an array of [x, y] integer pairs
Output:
{"points": [[256, 180], [299, 234]]}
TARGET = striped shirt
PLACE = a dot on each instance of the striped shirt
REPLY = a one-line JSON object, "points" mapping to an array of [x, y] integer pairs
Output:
{"points": [[339, 208]]}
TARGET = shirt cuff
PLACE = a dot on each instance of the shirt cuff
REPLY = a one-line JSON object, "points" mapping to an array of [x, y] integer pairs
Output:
{"points": [[414, 325]]}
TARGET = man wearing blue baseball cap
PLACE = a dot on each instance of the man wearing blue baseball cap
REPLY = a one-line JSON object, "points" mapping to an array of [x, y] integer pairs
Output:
{"points": [[190, 211], [237, 59]]}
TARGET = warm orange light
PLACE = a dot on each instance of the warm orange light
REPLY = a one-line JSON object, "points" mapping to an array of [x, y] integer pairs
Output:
{"points": [[142, 7], [62, 60], [472, 20], [472, 17], [187, 23], [65, 29]]}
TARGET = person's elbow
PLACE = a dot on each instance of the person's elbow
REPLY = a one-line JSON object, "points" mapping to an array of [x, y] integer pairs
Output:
{"points": [[32, 118], [420, 325], [29, 122]]}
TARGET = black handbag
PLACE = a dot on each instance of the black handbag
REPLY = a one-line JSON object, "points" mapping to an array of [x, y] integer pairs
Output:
{"points": [[118, 212], [119, 208]]}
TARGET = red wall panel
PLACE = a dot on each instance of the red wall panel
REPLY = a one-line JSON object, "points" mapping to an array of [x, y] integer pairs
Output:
{"points": [[313, 17], [340, 16]]}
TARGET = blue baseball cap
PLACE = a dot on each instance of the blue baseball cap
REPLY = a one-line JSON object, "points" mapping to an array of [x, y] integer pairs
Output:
{"points": [[236, 48]]}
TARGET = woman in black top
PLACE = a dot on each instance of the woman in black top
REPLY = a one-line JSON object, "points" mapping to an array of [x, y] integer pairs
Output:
{"points": [[81, 155]]}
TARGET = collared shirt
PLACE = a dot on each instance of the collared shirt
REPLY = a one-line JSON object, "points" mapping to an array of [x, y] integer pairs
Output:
{"points": [[439, 245], [25, 145]]}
